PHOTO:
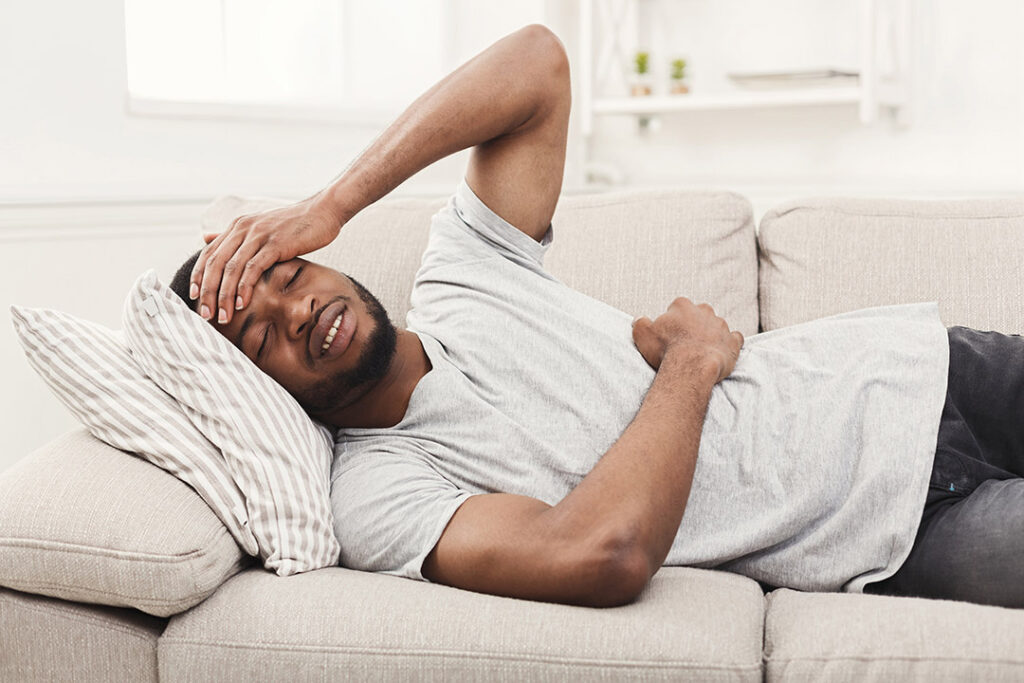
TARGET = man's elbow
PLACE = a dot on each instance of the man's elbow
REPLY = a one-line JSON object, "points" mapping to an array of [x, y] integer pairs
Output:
{"points": [[544, 49], [623, 571]]}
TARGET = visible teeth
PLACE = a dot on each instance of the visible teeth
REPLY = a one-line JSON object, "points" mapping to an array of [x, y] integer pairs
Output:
{"points": [[330, 335]]}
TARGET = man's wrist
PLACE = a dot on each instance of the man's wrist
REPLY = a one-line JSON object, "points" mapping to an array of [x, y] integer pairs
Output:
{"points": [[337, 199], [701, 364]]}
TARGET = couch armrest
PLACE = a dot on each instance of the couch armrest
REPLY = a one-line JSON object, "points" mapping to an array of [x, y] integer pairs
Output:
{"points": [[82, 521]]}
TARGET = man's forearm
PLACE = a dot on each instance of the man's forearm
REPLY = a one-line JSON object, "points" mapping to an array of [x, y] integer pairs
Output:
{"points": [[638, 490], [493, 94]]}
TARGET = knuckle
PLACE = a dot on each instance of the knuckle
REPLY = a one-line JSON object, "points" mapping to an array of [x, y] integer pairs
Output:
{"points": [[267, 256]]}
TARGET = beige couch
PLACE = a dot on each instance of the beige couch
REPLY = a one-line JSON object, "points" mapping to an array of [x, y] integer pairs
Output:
{"points": [[84, 523]]}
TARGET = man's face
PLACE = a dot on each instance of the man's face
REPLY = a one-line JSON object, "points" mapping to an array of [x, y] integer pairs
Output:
{"points": [[293, 313]]}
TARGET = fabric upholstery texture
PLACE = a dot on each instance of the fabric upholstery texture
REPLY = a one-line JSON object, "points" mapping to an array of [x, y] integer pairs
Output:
{"points": [[82, 521], [91, 370], [826, 256], [845, 637], [44, 639], [279, 458], [688, 623], [639, 250]]}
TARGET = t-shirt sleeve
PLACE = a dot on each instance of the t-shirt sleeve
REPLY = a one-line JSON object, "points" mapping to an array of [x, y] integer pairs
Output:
{"points": [[467, 230], [389, 512]]}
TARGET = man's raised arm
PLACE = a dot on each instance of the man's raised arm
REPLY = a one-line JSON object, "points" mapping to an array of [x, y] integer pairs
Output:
{"points": [[511, 102]]}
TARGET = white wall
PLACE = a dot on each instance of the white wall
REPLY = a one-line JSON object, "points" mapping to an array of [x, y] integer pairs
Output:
{"points": [[66, 134], [80, 179], [966, 135]]}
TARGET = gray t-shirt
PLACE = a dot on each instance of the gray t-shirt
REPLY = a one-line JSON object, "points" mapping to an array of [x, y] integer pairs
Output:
{"points": [[815, 453]]}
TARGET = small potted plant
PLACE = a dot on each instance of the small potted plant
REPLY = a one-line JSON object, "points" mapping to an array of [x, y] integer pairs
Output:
{"points": [[641, 74], [678, 73]]}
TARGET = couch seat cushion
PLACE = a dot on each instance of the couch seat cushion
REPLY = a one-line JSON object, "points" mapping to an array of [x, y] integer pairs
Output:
{"points": [[45, 639], [335, 623], [847, 637]]}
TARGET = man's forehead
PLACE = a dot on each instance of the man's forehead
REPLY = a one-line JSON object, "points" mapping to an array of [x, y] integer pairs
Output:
{"points": [[269, 272]]}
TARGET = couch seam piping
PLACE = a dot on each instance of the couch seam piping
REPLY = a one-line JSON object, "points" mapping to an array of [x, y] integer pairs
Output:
{"points": [[872, 658], [36, 544], [81, 618], [867, 214], [173, 641]]}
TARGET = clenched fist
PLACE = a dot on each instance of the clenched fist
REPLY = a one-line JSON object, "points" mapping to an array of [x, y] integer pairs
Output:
{"points": [[688, 328]]}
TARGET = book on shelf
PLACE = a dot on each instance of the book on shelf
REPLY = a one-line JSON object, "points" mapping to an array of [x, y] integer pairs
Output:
{"points": [[808, 78]]}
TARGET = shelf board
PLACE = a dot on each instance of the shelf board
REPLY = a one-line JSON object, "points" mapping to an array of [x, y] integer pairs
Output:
{"points": [[738, 99]]}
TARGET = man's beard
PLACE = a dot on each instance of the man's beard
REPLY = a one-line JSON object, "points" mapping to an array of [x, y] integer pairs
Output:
{"points": [[372, 365]]}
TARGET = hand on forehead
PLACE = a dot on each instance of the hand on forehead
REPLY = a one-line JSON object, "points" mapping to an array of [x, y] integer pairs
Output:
{"points": [[227, 270]]}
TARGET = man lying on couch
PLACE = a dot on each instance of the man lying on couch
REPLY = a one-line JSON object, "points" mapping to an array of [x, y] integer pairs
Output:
{"points": [[523, 439]]}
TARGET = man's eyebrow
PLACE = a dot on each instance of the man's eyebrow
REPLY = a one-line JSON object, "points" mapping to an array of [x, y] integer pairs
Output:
{"points": [[266, 274], [246, 324]]}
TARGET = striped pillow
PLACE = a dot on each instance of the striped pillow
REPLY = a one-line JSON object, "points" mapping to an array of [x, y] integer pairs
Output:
{"points": [[90, 369], [277, 456]]}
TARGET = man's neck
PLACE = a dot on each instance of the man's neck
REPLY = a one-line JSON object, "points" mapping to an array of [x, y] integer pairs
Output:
{"points": [[385, 404]]}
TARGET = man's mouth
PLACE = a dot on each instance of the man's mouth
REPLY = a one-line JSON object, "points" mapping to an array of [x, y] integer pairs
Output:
{"points": [[330, 335], [333, 331]]}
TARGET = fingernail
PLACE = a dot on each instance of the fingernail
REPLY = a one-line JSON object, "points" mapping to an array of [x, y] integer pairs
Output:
{"points": [[238, 303], [222, 316], [193, 291], [204, 311]]}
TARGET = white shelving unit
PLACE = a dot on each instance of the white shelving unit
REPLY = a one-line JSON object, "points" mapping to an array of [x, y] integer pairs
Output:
{"points": [[664, 104], [608, 42]]}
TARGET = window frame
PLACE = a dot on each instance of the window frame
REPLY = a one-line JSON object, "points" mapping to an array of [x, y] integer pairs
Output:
{"points": [[369, 115]]}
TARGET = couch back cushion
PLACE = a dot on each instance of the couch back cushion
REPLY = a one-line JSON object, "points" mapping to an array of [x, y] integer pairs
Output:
{"points": [[635, 250], [824, 256]]}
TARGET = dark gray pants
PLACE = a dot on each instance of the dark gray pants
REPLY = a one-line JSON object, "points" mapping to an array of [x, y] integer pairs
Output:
{"points": [[970, 545]]}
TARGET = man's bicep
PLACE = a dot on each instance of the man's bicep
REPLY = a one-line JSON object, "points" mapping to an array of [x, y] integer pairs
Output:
{"points": [[502, 544], [519, 174]]}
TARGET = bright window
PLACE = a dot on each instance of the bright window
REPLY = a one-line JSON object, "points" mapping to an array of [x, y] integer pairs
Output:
{"points": [[295, 57]]}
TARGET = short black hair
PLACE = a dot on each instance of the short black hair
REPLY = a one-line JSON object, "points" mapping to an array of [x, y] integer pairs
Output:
{"points": [[183, 279]]}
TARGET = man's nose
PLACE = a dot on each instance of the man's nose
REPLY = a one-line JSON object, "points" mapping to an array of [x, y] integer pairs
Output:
{"points": [[297, 314]]}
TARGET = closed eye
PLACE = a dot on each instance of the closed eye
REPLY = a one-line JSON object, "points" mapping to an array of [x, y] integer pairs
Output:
{"points": [[266, 330], [266, 333], [294, 278]]}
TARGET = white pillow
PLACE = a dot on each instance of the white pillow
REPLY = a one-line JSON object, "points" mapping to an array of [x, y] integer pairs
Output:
{"points": [[278, 457], [91, 370]]}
